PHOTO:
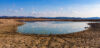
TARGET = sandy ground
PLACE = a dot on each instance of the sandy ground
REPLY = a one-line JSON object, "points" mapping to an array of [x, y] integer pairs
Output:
{"points": [[89, 38]]}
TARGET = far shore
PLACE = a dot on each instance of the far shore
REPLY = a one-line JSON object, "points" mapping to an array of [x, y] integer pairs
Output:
{"points": [[9, 38], [45, 19]]}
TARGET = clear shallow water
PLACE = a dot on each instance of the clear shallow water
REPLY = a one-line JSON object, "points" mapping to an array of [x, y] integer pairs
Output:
{"points": [[52, 27]]}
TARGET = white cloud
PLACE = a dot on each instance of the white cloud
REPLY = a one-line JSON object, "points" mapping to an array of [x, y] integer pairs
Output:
{"points": [[10, 10], [61, 8], [21, 9], [74, 11], [34, 13], [15, 11], [70, 11], [86, 11]]}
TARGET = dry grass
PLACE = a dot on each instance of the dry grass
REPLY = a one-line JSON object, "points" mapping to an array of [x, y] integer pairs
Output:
{"points": [[10, 39]]}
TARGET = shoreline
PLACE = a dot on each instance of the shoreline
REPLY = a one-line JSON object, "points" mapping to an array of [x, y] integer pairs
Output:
{"points": [[44, 19], [89, 38]]}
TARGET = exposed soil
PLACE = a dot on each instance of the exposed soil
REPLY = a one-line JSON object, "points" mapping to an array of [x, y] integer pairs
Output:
{"points": [[89, 38]]}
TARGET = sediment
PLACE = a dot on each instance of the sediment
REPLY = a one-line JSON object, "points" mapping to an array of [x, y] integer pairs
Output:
{"points": [[9, 38]]}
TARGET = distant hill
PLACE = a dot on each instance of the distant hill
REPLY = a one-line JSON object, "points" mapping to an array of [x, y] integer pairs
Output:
{"points": [[49, 17], [92, 18]]}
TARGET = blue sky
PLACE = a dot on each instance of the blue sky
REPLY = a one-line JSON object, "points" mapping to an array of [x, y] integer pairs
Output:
{"points": [[50, 8]]}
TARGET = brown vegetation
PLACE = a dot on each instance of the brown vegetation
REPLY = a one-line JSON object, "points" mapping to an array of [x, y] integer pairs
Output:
{"points": [[89, 38], [44, 19]]}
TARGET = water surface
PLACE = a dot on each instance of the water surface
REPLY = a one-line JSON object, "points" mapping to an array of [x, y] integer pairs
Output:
{"points": [[52, 27]]}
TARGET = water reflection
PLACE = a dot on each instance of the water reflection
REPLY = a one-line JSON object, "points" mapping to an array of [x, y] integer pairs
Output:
{"points": [[52, 27]]}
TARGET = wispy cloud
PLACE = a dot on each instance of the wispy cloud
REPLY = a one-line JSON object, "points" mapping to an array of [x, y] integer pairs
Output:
{"points": [[21, 9], [72, 11], [69, 11]]}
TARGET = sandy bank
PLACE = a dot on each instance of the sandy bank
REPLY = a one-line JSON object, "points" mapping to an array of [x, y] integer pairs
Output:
{"points": [[10, 39], [10, 22]]}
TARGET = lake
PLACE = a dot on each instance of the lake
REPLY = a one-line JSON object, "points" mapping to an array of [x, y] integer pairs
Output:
{"points": [[52, 27]]}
